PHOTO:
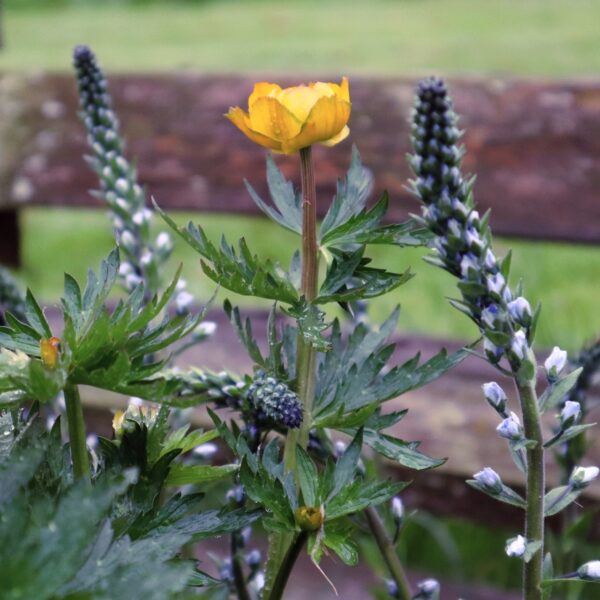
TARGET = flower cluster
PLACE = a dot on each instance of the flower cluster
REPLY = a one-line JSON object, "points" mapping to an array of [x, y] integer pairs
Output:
{"points": [[462, 237], [276, 400], [126, 199]]}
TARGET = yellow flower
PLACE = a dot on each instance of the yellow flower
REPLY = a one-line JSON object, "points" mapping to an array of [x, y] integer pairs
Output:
{"points": [[117, 422], [49, 349], [287, 120]]}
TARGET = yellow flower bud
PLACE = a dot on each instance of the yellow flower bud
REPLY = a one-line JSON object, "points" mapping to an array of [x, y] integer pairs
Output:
{"points": [[49, 349], [117, 421], [310, 518], [287, 120]]}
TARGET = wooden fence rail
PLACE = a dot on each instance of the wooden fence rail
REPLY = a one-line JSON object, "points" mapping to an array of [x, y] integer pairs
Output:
{"points": [[534, 145]]}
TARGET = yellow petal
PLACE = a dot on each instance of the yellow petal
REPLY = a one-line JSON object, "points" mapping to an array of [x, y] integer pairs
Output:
{"points": [[272, 119], [299, 100], [336, 139], [241, 120], [262, 88], [326, 120], [342, 91], [323, 89]]}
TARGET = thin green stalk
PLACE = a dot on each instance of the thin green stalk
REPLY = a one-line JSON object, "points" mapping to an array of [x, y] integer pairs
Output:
{"points": [[306, 355], [238, 574], [77, 436], [287, 565], [386, 547], [534, 519]]}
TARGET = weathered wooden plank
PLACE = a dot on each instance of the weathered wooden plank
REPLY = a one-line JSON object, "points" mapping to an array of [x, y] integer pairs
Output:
{"points": [[534, 145]]}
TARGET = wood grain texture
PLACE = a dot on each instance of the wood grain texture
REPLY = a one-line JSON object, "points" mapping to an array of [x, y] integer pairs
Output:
{"points": [[534, 145]]}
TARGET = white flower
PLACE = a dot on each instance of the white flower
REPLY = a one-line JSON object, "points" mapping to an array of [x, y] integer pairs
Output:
{"points": [[183, 302], [490, 260], [142, 216], [128, 240], [555, 363], [468, 263], [340, 447], [259, 581], [489, 479], [520, 310], [583, 476], [135, 401], [510, 428], [125, 268], [496, 283], [472, 239], [492, 351], [489, 315], [205, 329], [181, 285], [91, 441], [146, 258], [590, 570], [516, 547], [122, 186], [570, 412], [163, 241], [429, 586], [132, 280], [454, 228], [397, 508], [205, 451], [495, 395], [519, 344]]}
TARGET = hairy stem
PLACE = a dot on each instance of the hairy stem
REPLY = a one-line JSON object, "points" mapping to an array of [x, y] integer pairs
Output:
{"points": [[306, 355], [238, 574], [534, 519], [386, 547], [77, 437], [286, 566]]}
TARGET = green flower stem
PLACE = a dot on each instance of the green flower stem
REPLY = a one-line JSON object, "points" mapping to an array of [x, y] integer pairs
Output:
{"points": [[306, 355], [238, 574], [534, 520], [287, 565], [77, 437], [386, 547]]}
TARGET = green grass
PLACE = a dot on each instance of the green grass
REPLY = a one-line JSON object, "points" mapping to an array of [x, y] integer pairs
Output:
{"points": [[536, 37], [558, 275]]}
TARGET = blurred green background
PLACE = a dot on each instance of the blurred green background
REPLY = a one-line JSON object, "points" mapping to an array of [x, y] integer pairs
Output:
{"points": [[531, 38], [549, 38]]}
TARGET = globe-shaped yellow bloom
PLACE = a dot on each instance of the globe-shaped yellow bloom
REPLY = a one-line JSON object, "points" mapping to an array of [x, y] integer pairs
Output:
{"points": [[287, 120]]}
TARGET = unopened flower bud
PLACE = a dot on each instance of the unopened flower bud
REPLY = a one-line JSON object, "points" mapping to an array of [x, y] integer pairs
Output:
{"points": [[496, 396], [520, 310], [142, 216], [590, 570], [516, 548], [496, 284], [128, 241], [205, 451], [493, 352], [468, 263], [581, 477], [122, 186], [429, 588], [392, 588], [183, 302], [510, 428], [146, 258], [519, 345], [204, 330], [236, 495], [490, 315], [163, 242], [125, 268], [555, 363], [253, 558], [398, 509], [570, 413], [489, 479], [132, 281]]}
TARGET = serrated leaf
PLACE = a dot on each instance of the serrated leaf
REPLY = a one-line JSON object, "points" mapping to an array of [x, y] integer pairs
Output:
{"points": [[555, 394], [194, 474], [311, 324]]}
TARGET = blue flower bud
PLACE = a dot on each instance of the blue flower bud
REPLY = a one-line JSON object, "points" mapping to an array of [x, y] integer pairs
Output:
{"points": [[490, 480], [496, 396], [570, 413], [590, 570], [510, 428], [519, 345], [520, 310], [555, 363], [581, 477], [516, 547]]}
